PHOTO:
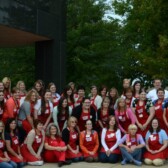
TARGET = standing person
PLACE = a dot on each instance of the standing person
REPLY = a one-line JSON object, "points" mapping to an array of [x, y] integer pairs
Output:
{"points": [[103, 91], [71, 138], [156, 145], [68, 94], [89, 143], [44, 109], [12, 105], [159, 105], [165, 116], [5, 161], [33, 145], [38, 86], [153, 93], [124, 115], [22, 89], [83, 113], [113, 96], [131, 146], [129, 99], [103, 113], [109, 139], [61, 113], [12, 143], [7, 87], [144, 112], [55, 148], [2, 104], [95, 99], [136, 89], [126, 83], [55, 96], [80, 95], [26, 112]]}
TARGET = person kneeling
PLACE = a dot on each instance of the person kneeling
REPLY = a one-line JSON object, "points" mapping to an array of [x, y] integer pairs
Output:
{"points": [[131, 146]]}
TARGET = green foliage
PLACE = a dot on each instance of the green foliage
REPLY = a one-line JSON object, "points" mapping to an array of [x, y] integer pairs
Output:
{"points": [[145, 35], [18, 64], [93, 53]]}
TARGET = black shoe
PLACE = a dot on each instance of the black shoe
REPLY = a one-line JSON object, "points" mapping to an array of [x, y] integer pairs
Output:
{"points": [[67, 162], [60, 164]]}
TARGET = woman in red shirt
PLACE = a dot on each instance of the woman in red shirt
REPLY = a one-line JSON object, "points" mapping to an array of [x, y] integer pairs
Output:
{"points": [[12, 105], [55, 148]]}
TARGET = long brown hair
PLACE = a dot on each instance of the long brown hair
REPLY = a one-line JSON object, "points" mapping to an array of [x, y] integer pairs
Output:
{"points": [[116, 124]]}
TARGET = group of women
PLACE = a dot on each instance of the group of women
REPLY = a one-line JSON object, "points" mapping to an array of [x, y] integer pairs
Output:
{"points": [[43, 126]]}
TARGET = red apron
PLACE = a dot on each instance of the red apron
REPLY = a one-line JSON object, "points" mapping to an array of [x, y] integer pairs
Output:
{"points": [[78, 102], [92, 101], [154, 144], [44, 117], [124, 121], [159, 114], [14, 146], [55, 101], [73, 138], [36, 144], [131, 141], [89, 143], [111, 140], [82, 120], [104, 118], [7, 94], [128, 103], [71, 104], [142, 117], [2, 147]]}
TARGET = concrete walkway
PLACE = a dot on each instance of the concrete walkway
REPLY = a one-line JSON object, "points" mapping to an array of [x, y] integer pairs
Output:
{"points": [[92, 165]]}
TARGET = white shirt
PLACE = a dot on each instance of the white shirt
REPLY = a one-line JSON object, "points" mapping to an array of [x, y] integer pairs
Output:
{"points": [[153, 94], [118, 136]]}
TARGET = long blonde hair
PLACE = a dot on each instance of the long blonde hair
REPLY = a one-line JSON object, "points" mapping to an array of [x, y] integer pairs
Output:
{"points": [[118, 101]]}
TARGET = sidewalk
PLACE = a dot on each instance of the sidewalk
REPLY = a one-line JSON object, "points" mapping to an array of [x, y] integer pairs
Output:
{"points": [[92, 165]]}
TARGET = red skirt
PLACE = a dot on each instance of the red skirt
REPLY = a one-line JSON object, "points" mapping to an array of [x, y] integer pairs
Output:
{"points": [[160, 155], [27, 155]]}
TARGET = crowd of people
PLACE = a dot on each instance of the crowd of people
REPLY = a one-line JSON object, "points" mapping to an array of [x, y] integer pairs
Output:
{"points": [[40, 125]]}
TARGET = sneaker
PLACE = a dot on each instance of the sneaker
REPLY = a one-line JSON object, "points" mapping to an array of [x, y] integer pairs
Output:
{"points": [[60, 164], [138, 163], [124, 162]]}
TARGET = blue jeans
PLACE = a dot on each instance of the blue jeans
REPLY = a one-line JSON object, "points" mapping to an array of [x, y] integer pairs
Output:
{"points": [[21, 164], [135, 155], [113, 158], [9, 164]]}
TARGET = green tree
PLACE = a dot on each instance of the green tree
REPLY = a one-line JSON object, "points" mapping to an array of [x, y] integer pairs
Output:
{"points": [[145, 35], [93, 50], [18, 64]]}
